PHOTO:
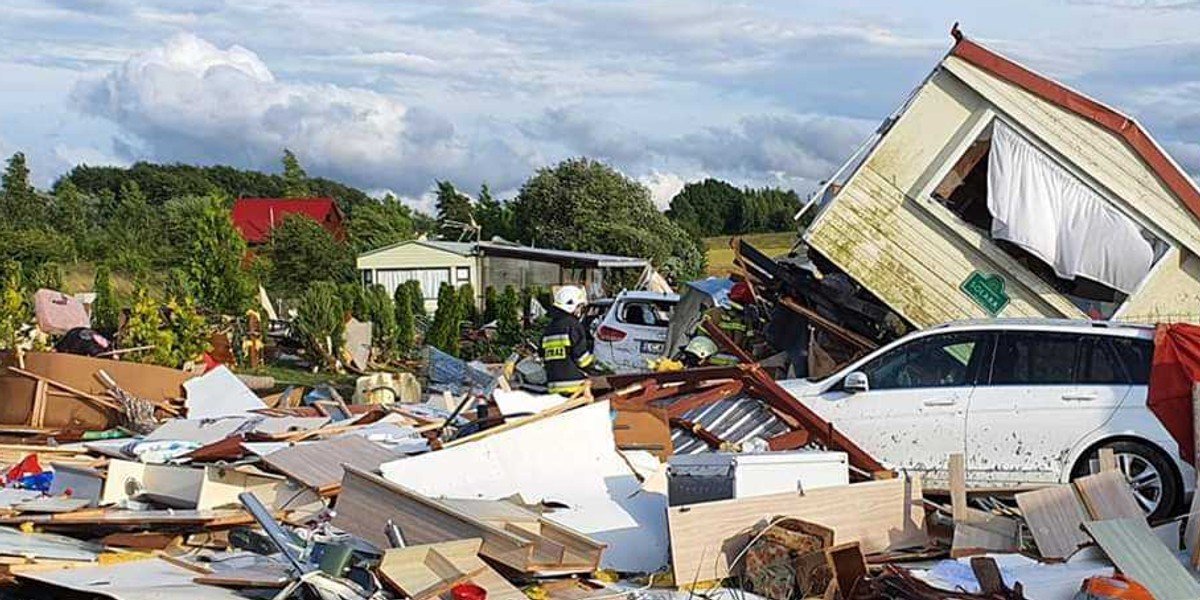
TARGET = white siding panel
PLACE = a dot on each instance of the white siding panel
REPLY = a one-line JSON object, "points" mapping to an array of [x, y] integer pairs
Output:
{"points": [[431, 280]]}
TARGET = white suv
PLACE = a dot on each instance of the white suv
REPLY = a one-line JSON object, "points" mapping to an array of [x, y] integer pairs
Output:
{"points": [[1029, 402], [634, 330]]}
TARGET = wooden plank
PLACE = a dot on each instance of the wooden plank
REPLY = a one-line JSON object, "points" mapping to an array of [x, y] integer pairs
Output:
{"points": [[880, 515], [1055, 519], [1108, 459], [421, 572], [368, 502], [958, 487], [319, 464], [38, 415], [1139, 554], [981, 532], [1107, 495]]}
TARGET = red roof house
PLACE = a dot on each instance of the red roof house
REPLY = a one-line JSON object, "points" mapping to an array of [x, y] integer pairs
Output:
{"points": [[256, 217]]}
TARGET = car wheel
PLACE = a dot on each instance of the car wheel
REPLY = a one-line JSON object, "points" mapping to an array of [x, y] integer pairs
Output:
{"points": [[1155, 486]]}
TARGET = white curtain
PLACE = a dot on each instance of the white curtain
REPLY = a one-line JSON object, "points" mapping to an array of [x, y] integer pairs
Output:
{"points": [[431, 279], [1039, 206]]}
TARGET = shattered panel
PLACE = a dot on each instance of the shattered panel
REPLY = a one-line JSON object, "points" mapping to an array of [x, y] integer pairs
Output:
{"points": [[735, 420]]}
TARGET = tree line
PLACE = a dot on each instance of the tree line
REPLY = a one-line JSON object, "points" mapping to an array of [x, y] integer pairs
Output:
{"points": [[713, 207]]}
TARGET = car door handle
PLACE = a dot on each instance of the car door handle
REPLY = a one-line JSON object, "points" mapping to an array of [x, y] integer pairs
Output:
{"points": [[940, 402], [1078, 397]]}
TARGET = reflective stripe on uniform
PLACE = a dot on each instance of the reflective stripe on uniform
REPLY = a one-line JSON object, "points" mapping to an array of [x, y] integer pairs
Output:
{"points": [[586, 359], [565, 387], [555, 346]]}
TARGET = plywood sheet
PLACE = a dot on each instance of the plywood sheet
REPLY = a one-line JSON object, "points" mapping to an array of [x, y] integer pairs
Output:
{"points": [[982, 532], [1107, 495], [880, 515], [219, 393], [1139, 554], [1055, 519], [319, 465]]}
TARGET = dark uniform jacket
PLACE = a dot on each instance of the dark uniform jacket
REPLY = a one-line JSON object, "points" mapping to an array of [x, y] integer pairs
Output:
{"points": [[566, 352]]}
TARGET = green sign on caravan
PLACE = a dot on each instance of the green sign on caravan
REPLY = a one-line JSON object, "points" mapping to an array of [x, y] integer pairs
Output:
{"points": [[987, 291]]}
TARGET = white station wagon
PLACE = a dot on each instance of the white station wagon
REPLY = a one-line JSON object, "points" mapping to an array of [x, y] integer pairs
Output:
{"points": [[1029, 402]]}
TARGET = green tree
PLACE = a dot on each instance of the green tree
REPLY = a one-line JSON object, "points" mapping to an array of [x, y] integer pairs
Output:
{"points": [[584, 205], [508, 324], [301, 252], [416, 296], [105, 312], [443, 333], [380, 224], [131, 233], [382, 313], [354, 300], [20, 204], [72, 216], [495, 218], [295, 180], [468, 309], [320, 321], [453, 209], [490, 309], [707, 208], [209, 252], [406, 324]]}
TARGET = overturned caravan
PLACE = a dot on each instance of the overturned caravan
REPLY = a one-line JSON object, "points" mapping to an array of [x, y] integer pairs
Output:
{"points": [[997, 192]]}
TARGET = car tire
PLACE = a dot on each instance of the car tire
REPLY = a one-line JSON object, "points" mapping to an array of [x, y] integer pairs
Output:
{"points": [[1155, 485]]}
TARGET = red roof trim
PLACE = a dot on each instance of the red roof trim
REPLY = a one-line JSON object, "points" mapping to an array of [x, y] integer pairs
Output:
{"points": [[1126, 128]]}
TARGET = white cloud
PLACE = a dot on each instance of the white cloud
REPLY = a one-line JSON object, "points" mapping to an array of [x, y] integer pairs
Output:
{"points": [[663, 187], [190, 100]]}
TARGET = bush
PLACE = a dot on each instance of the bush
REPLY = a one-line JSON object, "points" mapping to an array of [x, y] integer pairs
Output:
{"points": [[416, 296], [443, 333], [406, 325], [468, 310], [508, 324], [321, 320], [490, 299], [146, 328], [105, 312], [382, 313], [189, 332]]}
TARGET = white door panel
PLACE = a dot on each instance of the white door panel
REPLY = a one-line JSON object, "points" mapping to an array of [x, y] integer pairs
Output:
{"points": [[1048, 392]]}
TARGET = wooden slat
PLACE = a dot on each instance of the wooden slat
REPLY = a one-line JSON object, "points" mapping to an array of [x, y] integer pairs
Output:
{"points": [[1055, 519], [1138, 553], [1107, 495], [982, 532], [319, 464], [880, 515], [1108, 459], [958, 487]]}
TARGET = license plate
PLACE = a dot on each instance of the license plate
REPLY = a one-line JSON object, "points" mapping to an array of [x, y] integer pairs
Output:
{"points": [[655, 348]]}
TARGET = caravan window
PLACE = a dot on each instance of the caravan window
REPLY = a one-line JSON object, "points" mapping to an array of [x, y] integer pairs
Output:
{"points": [[1050, 221]]}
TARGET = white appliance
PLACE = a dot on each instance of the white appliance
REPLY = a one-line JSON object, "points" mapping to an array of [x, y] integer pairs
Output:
{"points": [[709, 476]]}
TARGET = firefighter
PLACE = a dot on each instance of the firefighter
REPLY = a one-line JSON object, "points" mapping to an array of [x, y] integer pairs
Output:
{"points": [[566, 349]]}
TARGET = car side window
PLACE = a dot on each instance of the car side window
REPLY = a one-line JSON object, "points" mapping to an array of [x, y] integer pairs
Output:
{"points": [[935, 361], [1035, 358], [1098, 363], [1136, 355]]}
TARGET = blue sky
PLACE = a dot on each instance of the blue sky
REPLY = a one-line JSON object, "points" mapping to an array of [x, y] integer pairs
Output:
{"points": [[392, 95]]}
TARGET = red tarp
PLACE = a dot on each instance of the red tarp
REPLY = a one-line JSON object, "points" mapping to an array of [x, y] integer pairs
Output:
{"points": [[1176, 368]]}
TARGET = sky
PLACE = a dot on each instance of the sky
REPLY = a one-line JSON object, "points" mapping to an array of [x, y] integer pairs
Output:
{"points": [[393, 95]]}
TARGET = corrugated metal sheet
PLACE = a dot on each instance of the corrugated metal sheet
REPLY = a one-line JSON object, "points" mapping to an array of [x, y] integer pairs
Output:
{"points": [[735, 420]]}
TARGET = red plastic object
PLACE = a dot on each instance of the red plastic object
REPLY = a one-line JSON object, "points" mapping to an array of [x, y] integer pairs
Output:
{"points": [[28, 466], [468, 591], [741, 293]]}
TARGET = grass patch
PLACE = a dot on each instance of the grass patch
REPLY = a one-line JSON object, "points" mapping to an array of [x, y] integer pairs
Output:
{"points": [[720, 255]]}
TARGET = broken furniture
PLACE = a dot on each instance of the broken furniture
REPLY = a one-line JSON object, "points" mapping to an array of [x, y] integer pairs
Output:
{"points": [[512, 536]]}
